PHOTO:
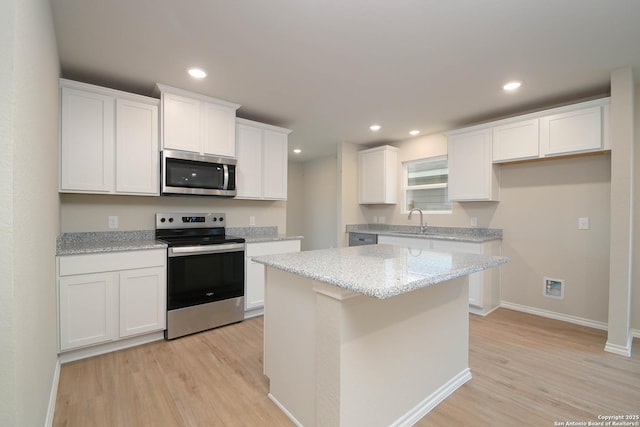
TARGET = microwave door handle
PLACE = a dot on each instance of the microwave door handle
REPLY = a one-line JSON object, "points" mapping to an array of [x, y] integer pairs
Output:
{"points": [[225, 184]]}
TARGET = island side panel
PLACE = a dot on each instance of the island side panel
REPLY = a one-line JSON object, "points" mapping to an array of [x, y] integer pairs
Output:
{"points": [[383, 362], [290, 344]]}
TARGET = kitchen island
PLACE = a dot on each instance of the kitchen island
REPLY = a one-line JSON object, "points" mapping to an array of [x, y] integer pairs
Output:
{"points": [[371, 335]]}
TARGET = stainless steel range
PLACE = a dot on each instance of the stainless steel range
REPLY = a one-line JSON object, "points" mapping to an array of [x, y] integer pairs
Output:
{"points": [[205, 272]]}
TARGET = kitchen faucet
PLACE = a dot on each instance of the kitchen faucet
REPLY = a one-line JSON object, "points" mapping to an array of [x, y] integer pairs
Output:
{"points": [[423, 226]]}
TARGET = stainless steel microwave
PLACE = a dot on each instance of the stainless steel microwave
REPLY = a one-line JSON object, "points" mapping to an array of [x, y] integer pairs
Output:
{"points": [[185, 173]]}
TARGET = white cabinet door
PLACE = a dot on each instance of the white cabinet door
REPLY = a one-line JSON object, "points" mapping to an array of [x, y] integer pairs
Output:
{"points": [[137, 164], [475, 279], [86, 141], [88, 307], [378, 175], [197, 123], [275, 166], [254, 280], [516, 141], [261, 151], [471, 172], [572, 132], [254, 294], [180, 123], [249, 167], [142, 301], [218, 130]]}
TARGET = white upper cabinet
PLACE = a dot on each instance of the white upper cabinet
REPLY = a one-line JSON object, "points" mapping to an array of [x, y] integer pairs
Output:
{"points": [[378, 175], [108, 141], [249, 168], [136, 147], [275, 152], [197, 123], [261, 172], [472, 176], [181, 123], [572, 129], [516, 141], [86, 141], [571, 132]]}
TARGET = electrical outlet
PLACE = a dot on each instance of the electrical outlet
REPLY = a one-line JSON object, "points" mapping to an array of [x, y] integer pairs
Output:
{"points": [[375, 219], [113, 221], [381, 219], [583, 223], [474, 221], [252, 220]]}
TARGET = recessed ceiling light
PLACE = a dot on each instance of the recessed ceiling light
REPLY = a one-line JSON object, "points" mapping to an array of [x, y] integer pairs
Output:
{"points": [[297, 150], [375, 128], [512, 85], [414, 132], [197, 73]]}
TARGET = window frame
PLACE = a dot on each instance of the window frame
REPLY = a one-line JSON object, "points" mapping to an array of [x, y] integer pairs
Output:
{"points": [[406, 187]]}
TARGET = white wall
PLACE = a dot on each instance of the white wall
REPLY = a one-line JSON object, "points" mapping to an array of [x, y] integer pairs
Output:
{"points": [[635, 291], [320, 204], [29, 211], [295, 199], [85, 212], [349, 211], [540, 203], [538, 212]]}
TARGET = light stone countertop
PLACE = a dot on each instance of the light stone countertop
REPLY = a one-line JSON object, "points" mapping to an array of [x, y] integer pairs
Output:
{"points": [[118, 241], [380, 271], [458, 234], [106, 241], [260, 234]]}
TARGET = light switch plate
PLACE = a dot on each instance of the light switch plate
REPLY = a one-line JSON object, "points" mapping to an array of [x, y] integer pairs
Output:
{"points": [[113, 221], [474, 221], [583, 223], [252, 220]]}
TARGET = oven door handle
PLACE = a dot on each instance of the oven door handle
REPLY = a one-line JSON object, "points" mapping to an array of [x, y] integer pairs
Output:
{"points": [[205, 249]]}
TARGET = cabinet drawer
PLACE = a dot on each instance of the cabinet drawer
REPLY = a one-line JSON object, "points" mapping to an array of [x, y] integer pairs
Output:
{"points": [[450, 246], [272, 248], [112, 261]]}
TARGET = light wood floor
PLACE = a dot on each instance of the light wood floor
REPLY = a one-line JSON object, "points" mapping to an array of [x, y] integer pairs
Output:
{"points": [[527, 371]]}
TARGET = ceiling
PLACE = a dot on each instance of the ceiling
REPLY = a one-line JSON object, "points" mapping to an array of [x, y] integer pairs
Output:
{"points": [[327, 69]]}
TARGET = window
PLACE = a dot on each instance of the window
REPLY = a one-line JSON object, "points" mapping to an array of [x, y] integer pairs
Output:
{"points": [[426, 184]]}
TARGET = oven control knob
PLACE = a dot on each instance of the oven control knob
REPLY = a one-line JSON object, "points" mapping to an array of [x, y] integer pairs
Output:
{"points": [[170, 219], [162, 220], [221, 219], [215, 219]]}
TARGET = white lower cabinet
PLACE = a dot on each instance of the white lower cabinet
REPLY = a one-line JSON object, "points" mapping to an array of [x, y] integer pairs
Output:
{"points": [[88, 309], [484, 286], [142, 301], [111, 296], [254, 276]]}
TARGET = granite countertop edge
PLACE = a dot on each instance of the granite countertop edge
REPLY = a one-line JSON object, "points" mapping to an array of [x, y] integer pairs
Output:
{"points": [[459, 234], [282, 262], [121, 241]]}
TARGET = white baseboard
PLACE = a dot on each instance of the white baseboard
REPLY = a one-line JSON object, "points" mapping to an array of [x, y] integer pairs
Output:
{"points": [[620, 349], [553, 315], [417, 412], [430, 402], [285, 410], [83, 353], [255, 312], [53, 394]]}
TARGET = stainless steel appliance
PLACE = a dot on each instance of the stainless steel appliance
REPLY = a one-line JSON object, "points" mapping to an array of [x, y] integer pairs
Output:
{"points": [[205, 272], [360, 239], [185, 173]]}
